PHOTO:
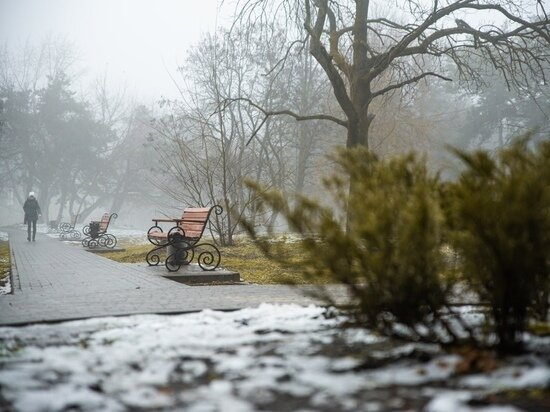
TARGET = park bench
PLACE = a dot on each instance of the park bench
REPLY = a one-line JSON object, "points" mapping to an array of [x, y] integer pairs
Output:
{"points": [[182, 240], [67, 229], [96, 233]]}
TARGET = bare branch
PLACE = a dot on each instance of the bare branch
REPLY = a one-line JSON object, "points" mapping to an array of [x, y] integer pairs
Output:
{"points": [[270, 113], [408, 81], [334, 38]]}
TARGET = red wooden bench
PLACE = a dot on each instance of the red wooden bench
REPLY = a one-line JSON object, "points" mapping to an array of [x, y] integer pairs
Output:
{"points": [[96, 232], [182, 240]]}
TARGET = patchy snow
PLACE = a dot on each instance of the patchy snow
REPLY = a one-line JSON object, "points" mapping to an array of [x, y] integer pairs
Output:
{"points": [[129, 236], [3, 236], [519, 376], [5, 285], [123, 234], [272, 357], [457, 401]]}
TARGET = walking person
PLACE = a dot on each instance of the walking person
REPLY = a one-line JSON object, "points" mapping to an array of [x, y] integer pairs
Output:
{"points": [[32, 211]]}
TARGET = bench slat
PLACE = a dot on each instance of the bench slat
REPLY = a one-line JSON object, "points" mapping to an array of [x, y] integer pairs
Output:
{"points": [[197, 209], [192, 235], [185, 225], [195, 215], [188, 212]]}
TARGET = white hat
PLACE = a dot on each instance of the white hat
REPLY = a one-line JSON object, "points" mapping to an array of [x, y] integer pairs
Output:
{"points": [[31, 194]]}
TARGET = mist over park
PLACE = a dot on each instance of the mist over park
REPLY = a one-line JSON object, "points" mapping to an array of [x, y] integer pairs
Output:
{"points": [[376, 174]]}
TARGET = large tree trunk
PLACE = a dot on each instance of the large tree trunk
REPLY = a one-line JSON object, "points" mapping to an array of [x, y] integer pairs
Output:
{"points": [[360, 94], [303, 155], [358, 129], [360, 88], [354, 104]]}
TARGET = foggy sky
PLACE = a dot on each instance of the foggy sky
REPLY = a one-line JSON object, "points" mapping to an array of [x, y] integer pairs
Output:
{"points": [[134, 41]]}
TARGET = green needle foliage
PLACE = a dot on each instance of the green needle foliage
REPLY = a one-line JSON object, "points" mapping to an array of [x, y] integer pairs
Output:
{"points": [[499, 213], [390, 256], [392, 227]]}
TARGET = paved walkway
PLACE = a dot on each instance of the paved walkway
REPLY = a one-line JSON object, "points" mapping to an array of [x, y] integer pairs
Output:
{"points": [[56, 281]]}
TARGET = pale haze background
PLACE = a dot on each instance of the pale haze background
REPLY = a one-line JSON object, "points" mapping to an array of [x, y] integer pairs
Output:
{"points": [[138, 43]]}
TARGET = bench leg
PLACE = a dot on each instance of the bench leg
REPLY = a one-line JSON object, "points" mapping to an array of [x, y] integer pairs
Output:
{"points": [[107, 240], [153, 256], [177, 253], [180, 253], [209, 257], [75, 234], [90, 242], [177, 256]]}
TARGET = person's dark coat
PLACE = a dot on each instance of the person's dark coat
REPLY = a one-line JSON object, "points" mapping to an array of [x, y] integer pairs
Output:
{"points": [[32, 209]]}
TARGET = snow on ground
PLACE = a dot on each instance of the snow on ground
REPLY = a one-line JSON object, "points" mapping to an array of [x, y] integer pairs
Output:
{"points": [[124, 235], [274, 357], [5, 286], [129, 235]]}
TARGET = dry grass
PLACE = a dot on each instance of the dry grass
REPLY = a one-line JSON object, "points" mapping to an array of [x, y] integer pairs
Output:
{"points": [[244, 257], [5, 264]]}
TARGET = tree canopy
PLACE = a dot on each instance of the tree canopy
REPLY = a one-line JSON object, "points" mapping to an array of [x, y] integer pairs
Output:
{"points": [[369, 50]]}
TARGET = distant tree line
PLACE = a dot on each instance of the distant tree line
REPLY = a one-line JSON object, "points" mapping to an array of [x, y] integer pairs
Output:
{"points": [[77, 152], [269, 98]]}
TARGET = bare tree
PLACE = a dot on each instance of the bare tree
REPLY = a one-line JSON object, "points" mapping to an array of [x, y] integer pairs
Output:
{"points": [[308, 91], [368, 52], [205, 149], [203, 152]]}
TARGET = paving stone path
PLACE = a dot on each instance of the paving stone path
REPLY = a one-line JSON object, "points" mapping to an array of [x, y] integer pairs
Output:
{"points": [[55, 281]]}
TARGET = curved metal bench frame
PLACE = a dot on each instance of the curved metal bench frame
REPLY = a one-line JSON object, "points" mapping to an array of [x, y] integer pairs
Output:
{"points": [[184, 246], [67, 230], [101, 238]]}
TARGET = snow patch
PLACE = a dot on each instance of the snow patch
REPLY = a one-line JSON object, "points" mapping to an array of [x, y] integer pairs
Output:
{"points": [[244, 360]]}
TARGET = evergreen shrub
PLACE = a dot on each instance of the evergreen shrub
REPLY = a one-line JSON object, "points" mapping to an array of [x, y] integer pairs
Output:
{"points": [[391, 226], [390, 255], [499, 215]]}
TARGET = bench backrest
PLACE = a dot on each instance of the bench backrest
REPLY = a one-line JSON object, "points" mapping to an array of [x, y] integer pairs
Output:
{"points": [[105, 220], [195, 220]]}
